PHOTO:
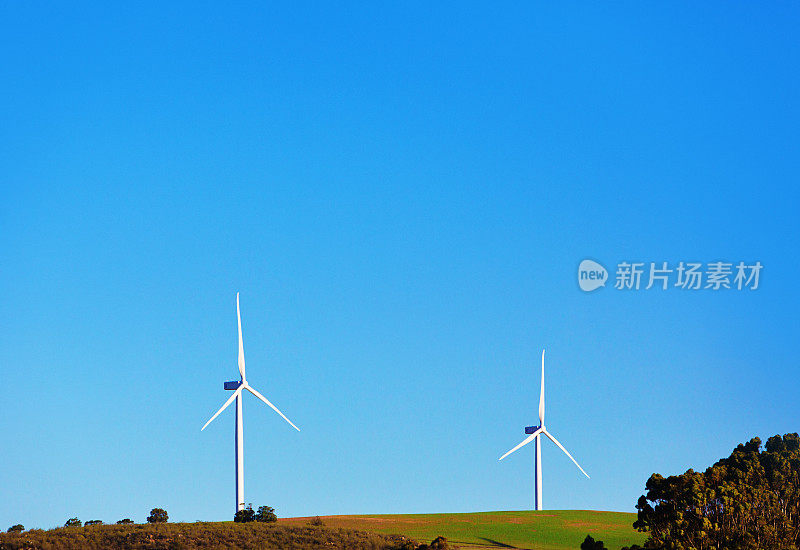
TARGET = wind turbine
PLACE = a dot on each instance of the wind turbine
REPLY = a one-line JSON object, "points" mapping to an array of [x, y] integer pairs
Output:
{"points": [[535, 433], [239, 386]]}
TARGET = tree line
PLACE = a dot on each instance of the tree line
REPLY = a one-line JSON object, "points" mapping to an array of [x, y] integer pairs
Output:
{"points": [[747, 501], [157, 515]]}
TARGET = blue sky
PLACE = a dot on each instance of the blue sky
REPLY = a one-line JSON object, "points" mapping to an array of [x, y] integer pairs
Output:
{"points": [[402, 195]]}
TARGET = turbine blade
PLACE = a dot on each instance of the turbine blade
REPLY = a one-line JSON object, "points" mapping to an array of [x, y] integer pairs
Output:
{"points": [[560, 446], [541, 396], [524, 442], [228, 402], [241, 344], [274, 408]]}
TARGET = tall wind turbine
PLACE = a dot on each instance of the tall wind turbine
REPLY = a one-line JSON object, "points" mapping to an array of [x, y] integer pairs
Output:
{"points": [[239, 386], [535, 433]]}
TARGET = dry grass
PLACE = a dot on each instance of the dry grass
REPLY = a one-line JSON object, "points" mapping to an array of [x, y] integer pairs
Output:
{"points": [[192, 536]]}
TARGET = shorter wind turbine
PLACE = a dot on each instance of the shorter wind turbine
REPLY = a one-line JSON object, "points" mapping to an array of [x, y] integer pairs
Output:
{"points": [[535, 433], [240, 386]]}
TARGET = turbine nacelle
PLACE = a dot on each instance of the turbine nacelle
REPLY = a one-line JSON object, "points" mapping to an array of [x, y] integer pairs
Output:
{"points": [[233, 385], [528, 429], [238, 391]]}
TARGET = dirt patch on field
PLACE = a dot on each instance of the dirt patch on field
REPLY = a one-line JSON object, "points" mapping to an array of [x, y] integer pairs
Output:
{"points": [[591, 524], [404, 521], [358, 520]]}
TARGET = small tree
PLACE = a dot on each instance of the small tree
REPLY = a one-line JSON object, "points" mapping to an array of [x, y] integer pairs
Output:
{"points": [[18, 528], [590, 544], [93, 522], [267, 515], [126, 521], [439, 543], [73, 522], [245, 516], [315, 521], [157, 515]]}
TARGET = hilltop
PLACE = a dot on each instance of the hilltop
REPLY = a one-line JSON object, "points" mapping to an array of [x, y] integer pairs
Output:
{"points": [[192, 536], [545, 530]]}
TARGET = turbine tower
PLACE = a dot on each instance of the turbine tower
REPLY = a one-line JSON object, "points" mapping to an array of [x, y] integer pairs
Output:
{"points": [[534, 434], [239, 386]]}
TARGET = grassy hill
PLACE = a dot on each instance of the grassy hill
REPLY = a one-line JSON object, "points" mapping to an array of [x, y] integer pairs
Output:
{"points": [[196, 536], [545, 530]]}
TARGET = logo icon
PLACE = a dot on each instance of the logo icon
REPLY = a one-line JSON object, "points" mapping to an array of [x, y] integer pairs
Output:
{"points": [[591, 275]]}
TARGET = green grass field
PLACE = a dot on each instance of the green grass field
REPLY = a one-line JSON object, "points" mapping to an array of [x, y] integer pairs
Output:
{"points": [[545, 530]]}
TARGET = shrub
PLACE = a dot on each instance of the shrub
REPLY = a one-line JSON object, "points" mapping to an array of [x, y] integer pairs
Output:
{"points": [[93, 522], [315, 521], [266, 514], [245, 516], [73, 522], [18, 528], [439, 543], [126, 521], [590, 544], [157, 515]]}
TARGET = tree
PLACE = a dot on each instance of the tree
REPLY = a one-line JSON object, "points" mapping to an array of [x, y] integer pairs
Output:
{"points": [[245, 516], [439, 543], [590, 544], [18, 528], [157, 515], [93, 522], [750, 500], [126, 521], [73, 522], [267, 514]]}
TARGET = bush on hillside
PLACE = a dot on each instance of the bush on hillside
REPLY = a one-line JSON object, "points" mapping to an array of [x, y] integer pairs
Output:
{"points": [[18, 528], [439, 543], [73, 522], [245, 516], [158, 515], [590, 544], [266, 514]]}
